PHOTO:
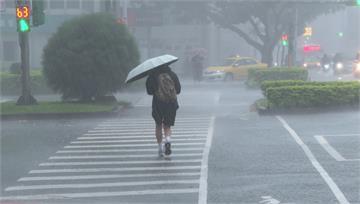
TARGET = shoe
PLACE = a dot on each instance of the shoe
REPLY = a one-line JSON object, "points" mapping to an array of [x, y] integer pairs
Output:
{"points": [[167, 148]]}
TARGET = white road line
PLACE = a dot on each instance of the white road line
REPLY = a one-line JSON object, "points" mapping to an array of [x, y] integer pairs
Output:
{"points": [[204, 165], [149, 125], [324, 143], [138, 136], [100, 194], [123, 150], [134, 141], [143, 133], [334, 188], [152, 120], [88, 170], [140, 130], [128, 145], [110, 176], [120, 156], [100, 185], [152, 130], [118, 162], [152, 127]]}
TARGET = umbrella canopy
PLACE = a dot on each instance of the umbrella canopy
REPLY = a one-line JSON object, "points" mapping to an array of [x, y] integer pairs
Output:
{"points": [[144, 68]]}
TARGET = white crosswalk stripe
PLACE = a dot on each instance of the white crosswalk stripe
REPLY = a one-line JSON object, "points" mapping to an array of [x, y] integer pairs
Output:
{"points": [[119, 158]]}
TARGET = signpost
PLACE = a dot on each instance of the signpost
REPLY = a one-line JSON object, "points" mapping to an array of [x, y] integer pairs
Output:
{"points": [[23, 13]]}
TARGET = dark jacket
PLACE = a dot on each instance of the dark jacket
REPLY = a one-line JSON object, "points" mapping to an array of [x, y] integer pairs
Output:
{"points": [[152, 86]]}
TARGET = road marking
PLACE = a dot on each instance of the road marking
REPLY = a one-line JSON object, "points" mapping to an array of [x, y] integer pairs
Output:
{"points": [[118, 162], [120, 156], [129, 145], [89, 170], [269, 200], [100, 194], [152, 127], [185, 122], [178, 119], [144, 133], [204, 164], [123, 140], [123, 150], [50, 178], [324, 143], [149, 130], [134, 141], [99, 185], [138, 136], [334, 188]]}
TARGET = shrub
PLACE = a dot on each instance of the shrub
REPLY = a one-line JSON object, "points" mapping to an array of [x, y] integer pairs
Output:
{"points": [[89, 56], [257, 76], [15, 68], [268, 84], [11, 84], [313, 95]]}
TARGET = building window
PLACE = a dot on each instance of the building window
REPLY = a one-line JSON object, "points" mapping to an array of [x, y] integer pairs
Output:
{"points": [[73, 4], [57, 4], [10, 48], [88, 5]]}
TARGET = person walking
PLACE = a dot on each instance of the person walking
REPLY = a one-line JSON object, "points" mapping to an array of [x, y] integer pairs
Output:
{"points": [[197, 66], [164, 85]]}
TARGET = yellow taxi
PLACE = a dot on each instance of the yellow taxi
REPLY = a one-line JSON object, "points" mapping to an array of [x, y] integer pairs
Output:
{"points": [[234, 68]]}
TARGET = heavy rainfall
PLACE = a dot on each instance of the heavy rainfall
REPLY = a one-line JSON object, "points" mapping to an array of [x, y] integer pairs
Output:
{"points": [[180, 101]]}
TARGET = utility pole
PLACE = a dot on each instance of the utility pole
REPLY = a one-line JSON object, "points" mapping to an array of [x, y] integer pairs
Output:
{"points": [[23, 14]]}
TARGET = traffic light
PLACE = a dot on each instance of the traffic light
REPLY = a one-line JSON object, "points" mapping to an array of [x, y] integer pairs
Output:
{"points": [[308, 31], [23, 17], [357, 2], [38, 16], [284, 40]]}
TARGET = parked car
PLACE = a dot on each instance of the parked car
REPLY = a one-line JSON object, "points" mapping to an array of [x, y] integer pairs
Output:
{"points": [[234, 68]]}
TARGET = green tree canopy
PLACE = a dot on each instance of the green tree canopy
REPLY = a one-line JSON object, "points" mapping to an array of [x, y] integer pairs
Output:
{"points": [[260, 23], [89, 56]]}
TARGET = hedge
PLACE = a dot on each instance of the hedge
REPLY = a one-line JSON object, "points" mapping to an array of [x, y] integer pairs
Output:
{"points": [[11, 84], [257, 76], [268, 84], [313, 95]]}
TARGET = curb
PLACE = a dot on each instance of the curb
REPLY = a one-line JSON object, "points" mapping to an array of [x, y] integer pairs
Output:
{"points": [[306, 111], [42, 116]]}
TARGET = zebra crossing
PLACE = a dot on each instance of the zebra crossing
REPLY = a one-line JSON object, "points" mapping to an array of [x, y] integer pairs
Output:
{"points": [[118, 158]]}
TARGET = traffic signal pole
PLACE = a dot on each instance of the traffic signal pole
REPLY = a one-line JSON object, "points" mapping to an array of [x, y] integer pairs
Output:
{"points": [[26, 98]]}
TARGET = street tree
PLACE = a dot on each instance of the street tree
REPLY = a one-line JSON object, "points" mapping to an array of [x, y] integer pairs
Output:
{"points": [[259, 23], [89, 56]]}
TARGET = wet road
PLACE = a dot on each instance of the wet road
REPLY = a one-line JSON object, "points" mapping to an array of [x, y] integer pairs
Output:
{"points": [[311, 158]]}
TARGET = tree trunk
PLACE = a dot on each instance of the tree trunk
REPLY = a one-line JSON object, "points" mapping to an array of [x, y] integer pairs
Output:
{"points": [[267, 55]]}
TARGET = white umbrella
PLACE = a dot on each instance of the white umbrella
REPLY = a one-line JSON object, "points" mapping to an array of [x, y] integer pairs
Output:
{"points": [[143, 69]]}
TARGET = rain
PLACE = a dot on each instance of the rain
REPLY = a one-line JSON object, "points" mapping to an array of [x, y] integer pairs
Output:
{"points": [[180, 101]]}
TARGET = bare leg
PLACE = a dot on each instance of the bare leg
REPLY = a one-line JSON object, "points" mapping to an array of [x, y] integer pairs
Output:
{"points": [[158, 133], [167, 131]]}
